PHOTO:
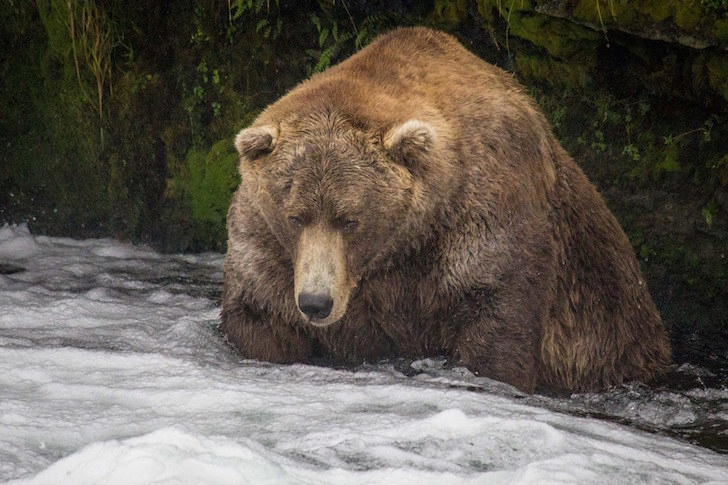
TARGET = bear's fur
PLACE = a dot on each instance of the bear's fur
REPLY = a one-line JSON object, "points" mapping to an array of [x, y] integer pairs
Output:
{"points": [[412, 201]]}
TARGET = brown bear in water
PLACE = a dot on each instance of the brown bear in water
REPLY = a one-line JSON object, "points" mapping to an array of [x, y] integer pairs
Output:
{"points": [[412, 201]]}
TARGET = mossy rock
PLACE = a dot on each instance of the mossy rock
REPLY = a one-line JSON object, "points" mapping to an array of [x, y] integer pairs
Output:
{"points": [[562, 39], [543, 68], [693, 24]]}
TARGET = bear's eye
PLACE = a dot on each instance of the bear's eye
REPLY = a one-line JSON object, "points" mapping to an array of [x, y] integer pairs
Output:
{"points": [[296, 222], [349, 226]]}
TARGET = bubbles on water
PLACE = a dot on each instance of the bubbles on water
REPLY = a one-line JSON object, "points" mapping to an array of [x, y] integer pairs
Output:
{"points": [[100, 342]]}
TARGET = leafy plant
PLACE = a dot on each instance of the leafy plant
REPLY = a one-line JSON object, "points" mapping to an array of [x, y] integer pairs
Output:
{"points": [[93, 39], [632, 152], [330, 40], [720, 6]]}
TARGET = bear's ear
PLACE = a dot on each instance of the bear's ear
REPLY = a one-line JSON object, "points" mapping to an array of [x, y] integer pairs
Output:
{"points": [[256, 141], [409, 141]]}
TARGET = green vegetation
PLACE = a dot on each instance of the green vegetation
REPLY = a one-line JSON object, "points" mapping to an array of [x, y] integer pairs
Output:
{"points": [[117, 117], [205, 185]]}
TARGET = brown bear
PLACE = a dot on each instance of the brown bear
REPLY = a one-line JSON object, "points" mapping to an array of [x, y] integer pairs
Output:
{"points": [[412, 201]]}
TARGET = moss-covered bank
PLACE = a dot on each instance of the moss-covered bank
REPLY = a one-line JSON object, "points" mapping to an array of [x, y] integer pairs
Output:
{"points": [[116, 117]]}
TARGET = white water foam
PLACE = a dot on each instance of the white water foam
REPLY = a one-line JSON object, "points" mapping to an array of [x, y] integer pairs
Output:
{"points": [[111, 371]]}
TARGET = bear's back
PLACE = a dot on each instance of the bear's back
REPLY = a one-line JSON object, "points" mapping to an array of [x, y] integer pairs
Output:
{"points": [[408, 73], [418, 58]]}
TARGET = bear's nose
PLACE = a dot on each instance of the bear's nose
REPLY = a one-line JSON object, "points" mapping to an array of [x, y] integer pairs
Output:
{"points": [[315, 305]]}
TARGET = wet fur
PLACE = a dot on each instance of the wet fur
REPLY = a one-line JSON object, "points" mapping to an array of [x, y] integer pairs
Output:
{"points": [[484, 241]]}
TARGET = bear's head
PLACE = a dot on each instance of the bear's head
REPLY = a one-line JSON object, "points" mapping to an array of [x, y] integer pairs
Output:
{"points": [[340, 198]]}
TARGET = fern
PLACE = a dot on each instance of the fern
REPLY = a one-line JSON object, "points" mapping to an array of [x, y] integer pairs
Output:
{"points": [[323, 35], [261, 23], [324, 60], [367, 30]]}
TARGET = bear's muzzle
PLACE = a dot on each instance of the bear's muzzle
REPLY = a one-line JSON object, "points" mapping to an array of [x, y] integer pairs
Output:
{"points": [[321, 282]]}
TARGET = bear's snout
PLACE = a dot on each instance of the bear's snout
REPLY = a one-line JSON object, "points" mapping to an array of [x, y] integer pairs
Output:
{"points": [[321, 282], [315, 306]]}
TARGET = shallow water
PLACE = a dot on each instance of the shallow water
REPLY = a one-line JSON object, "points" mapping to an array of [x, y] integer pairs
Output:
{"points": [[112, 371]]}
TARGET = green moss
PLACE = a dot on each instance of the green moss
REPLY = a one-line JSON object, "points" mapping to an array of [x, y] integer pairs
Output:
{"points": [[720, 30], [687, 17], [560, 38], [670, 161], [570, 47], [693, 24], [658, 10], [213, 181], [717, 68], [634, 14], [596, 12], [542, 68], [451, 12], [504, 6], [205, 186]]}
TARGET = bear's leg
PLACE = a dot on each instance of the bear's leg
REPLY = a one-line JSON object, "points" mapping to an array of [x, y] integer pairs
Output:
{"points": [[501, 344], [265, 338], [486, 354]]}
